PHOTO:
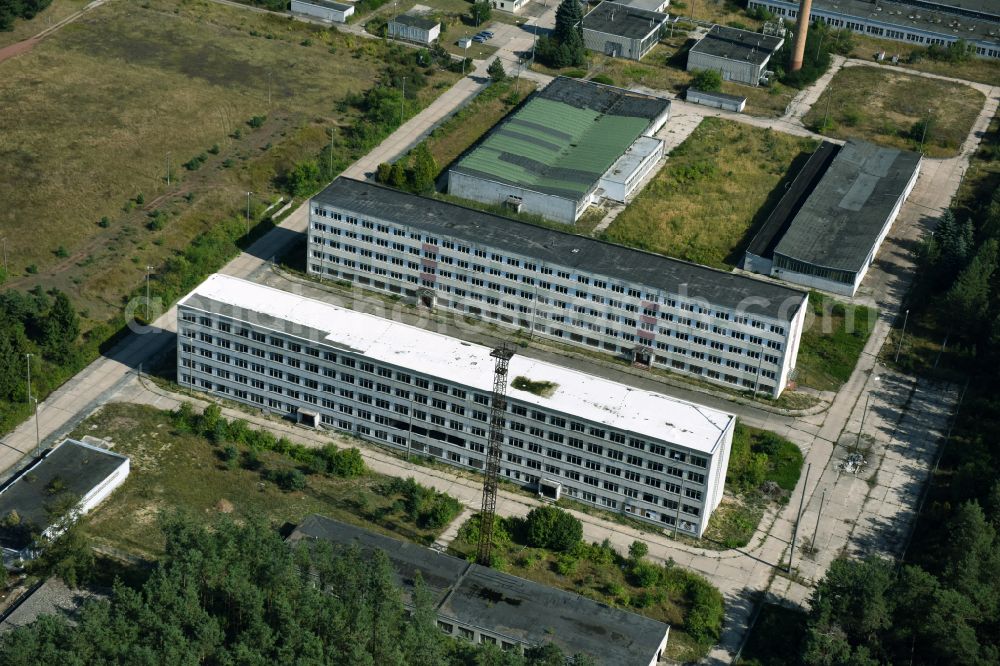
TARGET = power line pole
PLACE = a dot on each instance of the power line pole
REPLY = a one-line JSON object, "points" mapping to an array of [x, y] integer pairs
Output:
{"points": [[28, 360], [38, 437], [5, 270], [148, 269], [402, 102], [498, 408], [798, 518], [168, 169]]}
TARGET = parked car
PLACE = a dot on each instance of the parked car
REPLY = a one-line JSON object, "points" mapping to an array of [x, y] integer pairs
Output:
{"points": [[479, 39], [487, 34]]}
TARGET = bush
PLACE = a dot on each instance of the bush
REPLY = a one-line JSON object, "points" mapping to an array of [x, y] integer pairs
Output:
{"points": [[288, 479], [256, 122], [552, 528], [496, 71], [104, 223], [195, 162], [603, 78], [214, 149], [708, 80]]}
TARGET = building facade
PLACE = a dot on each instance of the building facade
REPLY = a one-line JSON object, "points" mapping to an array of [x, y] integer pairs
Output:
{"points": [[334, 12], [603, 443], [622, 31], [738, 55], [510, 6], [729, 329], [918, 22]]}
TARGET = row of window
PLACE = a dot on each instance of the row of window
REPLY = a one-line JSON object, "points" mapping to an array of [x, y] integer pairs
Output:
{"points": [[413, 397], [431, 255]]}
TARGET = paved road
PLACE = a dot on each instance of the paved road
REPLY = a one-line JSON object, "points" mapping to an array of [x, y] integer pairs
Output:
{"points": [[903, 423]]}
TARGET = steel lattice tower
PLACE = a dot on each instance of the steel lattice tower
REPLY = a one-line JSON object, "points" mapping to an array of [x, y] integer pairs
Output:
{"points": [[498, 409]]}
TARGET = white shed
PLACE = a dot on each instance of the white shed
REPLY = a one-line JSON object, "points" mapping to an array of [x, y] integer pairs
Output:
{"points": [[334, 12], [414, 28]]}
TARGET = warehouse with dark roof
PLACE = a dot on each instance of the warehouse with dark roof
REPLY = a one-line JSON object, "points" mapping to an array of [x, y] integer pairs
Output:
{"points": [[483, 605], [621, 31], [828, 228], [738, 55], [549, 157]]}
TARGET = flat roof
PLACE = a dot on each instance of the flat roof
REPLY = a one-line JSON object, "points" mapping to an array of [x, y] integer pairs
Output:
{"points": [[577, 393], [501, 603], [414, 20], [564, 138], [338, 6], [648, 5], [623, 20], [81, 468], [792, 200], [556, 247], [642, 148], [53, 597], [967, 19], [841, 221], [736, 99], [735, 44]]}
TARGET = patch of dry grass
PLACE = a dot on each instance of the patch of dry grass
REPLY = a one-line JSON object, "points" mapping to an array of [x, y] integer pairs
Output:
{"points": [[94, 114], [704, 204], [885, 107], [982, 70]]}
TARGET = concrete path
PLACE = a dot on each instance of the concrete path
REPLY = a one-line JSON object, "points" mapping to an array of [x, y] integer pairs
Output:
{"points": [[451, 532]]}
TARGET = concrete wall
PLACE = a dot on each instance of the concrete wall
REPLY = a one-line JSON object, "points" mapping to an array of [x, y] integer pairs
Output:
{"points": [[495, 193], [411, 33], [320, 12], [739, 71], [757, 264]]}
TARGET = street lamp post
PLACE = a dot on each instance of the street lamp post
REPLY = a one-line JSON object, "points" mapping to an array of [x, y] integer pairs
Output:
{"points": [[148, 269], [902, 335], [38, 436], [923, 133], [28, 363], [5, 255], [248, 212], [465, 57], [402, 102]]}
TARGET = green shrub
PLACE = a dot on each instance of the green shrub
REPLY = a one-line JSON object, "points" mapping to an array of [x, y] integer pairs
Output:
{"points": [[257, 121], [552, 528], [603, 78], [104, 223], [575, 73]]}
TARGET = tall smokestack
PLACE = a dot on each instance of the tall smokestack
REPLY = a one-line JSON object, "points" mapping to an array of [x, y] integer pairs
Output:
{"points": [[801, 30]]}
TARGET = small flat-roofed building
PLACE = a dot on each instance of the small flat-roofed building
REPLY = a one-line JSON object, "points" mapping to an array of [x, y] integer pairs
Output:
{"points": [[716, 100], [484, 605], [622, 31], [417, 391], [548, 157], [629, 171], [71, 469], [651, 310], [510, 6], [836, 232], [915, 22], [416, 28], [738, 55], [325, 10]]}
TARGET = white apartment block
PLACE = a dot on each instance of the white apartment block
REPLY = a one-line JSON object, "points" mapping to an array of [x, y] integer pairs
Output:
{"points": [[594, 440], [726, 328]]}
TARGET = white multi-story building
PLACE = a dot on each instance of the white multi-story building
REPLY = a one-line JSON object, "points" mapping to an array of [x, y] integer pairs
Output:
{"points": [[731, 329], [600, 442]]}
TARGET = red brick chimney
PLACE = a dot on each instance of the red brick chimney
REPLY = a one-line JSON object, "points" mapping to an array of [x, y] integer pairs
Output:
{"points": [[801, 30]]}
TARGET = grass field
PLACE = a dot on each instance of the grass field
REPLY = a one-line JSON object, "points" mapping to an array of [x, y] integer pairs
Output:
{"points": [[95, 115], [886, 107], [57, 11], [982, 70], [172, 470], [834, 336], [717, 186]]}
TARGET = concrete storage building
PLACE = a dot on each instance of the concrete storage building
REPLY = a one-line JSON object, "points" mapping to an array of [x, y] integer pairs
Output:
{"points": [[484, 605], [828, 227], [739, 55], [78, 469], [921, 22], [622, 31], [716, 100], [655, 311], [414, 28], [334, 12], [548, 158], [603, 443]]}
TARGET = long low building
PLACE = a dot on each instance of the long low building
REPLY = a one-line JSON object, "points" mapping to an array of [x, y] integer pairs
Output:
{"points": [[922, 22], [655, 311], [600, 442], [483, 605], [838, 211], [548, 157]]}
